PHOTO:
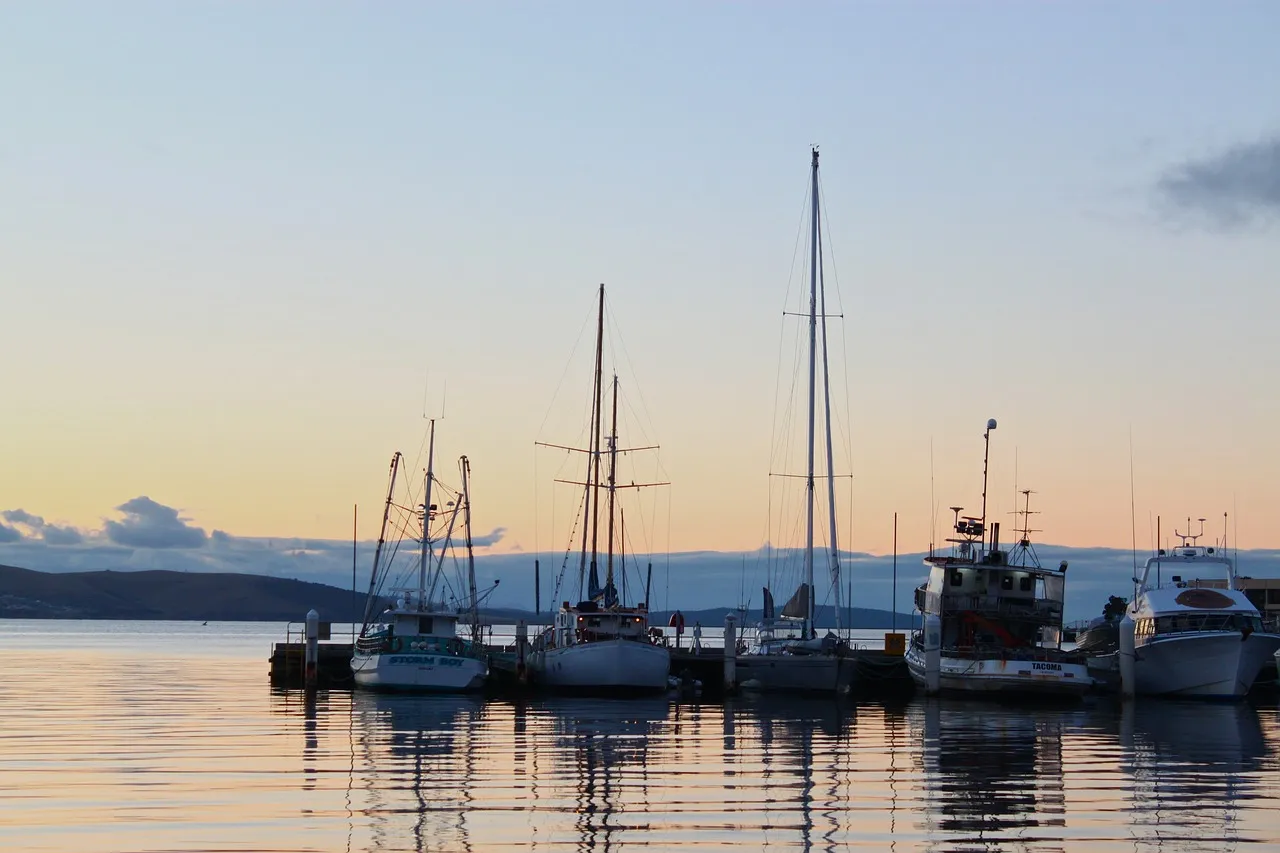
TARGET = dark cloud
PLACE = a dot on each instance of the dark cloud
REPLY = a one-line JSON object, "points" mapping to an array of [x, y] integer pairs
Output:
{"points": [[55, 535], [148, 524], [21, 516], [51, 534], [8, 534], [491, 538], [1231, 189]]}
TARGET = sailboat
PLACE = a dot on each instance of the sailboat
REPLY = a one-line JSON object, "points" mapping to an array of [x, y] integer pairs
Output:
{"points": [[600, 644], [414, 644], [787, 654]]}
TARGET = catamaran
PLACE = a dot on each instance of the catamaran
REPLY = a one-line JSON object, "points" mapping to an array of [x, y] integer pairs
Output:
{"points": [[991, 620], [788, 655], [413, 644], [600, 644]]}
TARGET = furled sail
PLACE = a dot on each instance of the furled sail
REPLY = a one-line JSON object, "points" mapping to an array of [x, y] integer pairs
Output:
{"points": [[768, 604]]}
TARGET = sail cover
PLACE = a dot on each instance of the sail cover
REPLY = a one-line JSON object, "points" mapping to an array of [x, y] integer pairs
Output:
{"points": [[798, 606]]}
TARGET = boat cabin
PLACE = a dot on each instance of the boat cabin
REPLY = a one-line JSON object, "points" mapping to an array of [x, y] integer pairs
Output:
{"points": [[588, 622]]}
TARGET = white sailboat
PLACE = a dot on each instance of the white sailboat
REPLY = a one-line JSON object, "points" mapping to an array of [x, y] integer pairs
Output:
{"points": [[991, 620], [599, 644], [1179, 638], [787, 654], [414, 643]]}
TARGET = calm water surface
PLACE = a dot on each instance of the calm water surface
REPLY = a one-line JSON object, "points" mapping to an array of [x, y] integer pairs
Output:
{"points": [[128, 736]]}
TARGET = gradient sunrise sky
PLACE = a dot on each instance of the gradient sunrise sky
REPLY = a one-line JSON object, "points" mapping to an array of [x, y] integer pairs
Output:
{"points": [[240, 245]]}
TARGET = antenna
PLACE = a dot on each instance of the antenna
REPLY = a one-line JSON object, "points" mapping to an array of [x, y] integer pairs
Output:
{"points": [[986, 452]]}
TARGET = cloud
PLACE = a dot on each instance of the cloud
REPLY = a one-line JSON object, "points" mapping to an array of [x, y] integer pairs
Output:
{"points": [[491, 538], [8, 534], [50, 533], [21, 516], [148, 524], [1232, 189]]}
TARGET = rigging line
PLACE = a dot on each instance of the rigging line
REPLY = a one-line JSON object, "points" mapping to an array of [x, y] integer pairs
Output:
{"points": [[615, 330], [846, 428], [568, 364]]}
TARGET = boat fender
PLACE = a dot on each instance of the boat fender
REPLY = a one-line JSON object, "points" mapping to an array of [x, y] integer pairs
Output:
{"points": [[396, 644]]}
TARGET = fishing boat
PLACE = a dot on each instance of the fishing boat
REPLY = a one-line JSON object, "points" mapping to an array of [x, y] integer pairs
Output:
{"points": [[787, 654], [414, 643], [1179, 638], [992, 619], [600, 644]]}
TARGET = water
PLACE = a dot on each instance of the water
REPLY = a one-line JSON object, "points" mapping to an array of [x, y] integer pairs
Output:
{"points": [[166, 736]]}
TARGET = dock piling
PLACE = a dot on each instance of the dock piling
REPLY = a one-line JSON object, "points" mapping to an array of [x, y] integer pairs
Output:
{"points": [[312, 650], [730, 653]]}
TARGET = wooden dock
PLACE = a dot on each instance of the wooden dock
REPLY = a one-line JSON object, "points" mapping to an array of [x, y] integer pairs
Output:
{"points": [[877, 672]]}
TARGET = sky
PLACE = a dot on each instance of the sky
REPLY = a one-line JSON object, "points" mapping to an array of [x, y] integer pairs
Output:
{"points": [[246, 248]]}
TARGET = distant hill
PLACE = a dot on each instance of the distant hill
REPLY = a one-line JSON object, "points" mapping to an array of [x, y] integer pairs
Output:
{"points": [[234, 597], [27, 594]]}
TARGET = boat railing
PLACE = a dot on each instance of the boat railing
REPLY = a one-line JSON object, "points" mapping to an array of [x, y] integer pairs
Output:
{"points": [[337, 632], [1039, 608]]}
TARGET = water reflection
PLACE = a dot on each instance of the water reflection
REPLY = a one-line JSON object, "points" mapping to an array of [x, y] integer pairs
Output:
{"points": [[995, 776], [1192, 766], [420, 760]]}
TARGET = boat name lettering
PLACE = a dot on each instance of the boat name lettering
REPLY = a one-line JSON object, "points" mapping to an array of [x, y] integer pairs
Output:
{"points": [[423, 660], [1051, 667]]}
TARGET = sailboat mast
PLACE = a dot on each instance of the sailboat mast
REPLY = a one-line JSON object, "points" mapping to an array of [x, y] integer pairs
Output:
{"points": [[592, 451], [382, 539], [613, 473], [471, 557], [594, 479], [813, 353], [831, 469], [424, 555]]}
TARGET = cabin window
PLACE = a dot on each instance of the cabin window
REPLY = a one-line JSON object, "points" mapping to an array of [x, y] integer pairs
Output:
{"points": [[424, 625], [1006, 582], [957, 578], [1025, 584]]}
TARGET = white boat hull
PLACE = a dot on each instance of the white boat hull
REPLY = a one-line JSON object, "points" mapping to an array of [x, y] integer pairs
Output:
{"points": [[603, 665], [783, 673], [1208, 664], [419, 671], [994, 676]]}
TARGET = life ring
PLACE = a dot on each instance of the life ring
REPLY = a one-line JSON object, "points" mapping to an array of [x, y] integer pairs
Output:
{"points": [[396, 644]]}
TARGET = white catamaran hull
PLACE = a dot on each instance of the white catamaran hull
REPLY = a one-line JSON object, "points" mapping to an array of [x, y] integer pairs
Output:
{"points": [[965, 675], [421, 672], [604, 665], [1217, 664], [785, 673]]}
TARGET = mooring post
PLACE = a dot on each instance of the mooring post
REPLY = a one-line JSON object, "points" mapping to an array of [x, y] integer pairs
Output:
{"points": [[312, 657], [522, 643], [730, 653]]}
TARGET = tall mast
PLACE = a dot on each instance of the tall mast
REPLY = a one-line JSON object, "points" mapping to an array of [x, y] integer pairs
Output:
{"points": [[613, 472], [986, 453], [831, 467], [813, 353], [424, 557], [593, 448], [382, 538], [594, 479], [471, 557]]}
